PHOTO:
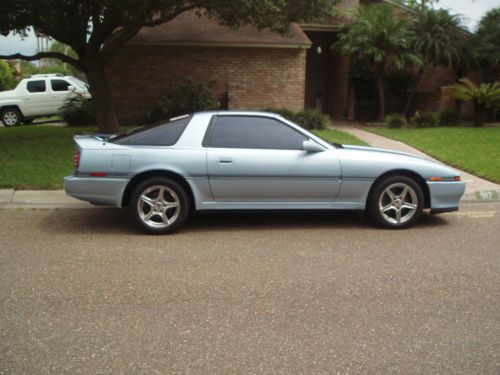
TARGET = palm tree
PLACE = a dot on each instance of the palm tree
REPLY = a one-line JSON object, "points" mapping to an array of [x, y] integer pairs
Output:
{"points": [[377, 34], [440, 40], [485, 96], [487, 38]]}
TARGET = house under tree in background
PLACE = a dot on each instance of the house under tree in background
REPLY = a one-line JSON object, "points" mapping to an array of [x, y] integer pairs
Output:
{"points": [[253, 69]]}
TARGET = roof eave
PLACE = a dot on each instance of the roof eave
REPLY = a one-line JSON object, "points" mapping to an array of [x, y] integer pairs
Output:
{"points": [[222, 44]]}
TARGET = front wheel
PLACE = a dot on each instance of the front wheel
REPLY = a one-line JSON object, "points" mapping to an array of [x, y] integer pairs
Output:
{"points": [[11, 117], [160, 205], [396, 202]]}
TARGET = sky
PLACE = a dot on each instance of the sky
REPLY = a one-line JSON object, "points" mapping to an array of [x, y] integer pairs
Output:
{"points": [[472, 10]]}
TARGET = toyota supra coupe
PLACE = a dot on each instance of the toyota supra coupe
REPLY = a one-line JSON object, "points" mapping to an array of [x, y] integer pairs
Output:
{"points": [[234, 160]]}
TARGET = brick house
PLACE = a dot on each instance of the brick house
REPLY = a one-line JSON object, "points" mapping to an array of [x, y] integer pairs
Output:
{"points": [[251, 69]]}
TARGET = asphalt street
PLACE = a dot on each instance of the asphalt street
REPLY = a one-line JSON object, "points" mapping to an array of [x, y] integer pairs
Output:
{"points": [[82, 291]]}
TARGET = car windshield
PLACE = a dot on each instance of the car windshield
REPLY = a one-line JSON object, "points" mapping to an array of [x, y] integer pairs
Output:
{"points": [[335, 144]]}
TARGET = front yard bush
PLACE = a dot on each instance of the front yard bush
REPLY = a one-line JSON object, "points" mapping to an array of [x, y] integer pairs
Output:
{"points": [[186, 98], [309, 118], [78, 111], [449, 117], [424, 120], [395, 120]]}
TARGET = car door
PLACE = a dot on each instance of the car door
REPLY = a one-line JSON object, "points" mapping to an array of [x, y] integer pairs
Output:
{"points": [[59, 93], [260, 159], [36, 100]]}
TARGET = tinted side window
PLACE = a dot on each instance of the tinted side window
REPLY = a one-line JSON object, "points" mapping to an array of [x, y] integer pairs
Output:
{"points": [[59, 85], [36, 86], [160, 135], [255, 132]]}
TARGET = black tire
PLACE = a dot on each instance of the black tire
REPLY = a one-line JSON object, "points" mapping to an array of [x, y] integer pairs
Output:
{"points": [[28, 121], [162, 218], [11, 117], [396, 194]]}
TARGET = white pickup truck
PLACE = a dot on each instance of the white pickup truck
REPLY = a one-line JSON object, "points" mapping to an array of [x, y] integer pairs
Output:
{"points": [[38, 96]]}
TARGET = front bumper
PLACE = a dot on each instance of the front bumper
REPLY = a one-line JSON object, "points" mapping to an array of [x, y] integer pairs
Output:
{"points": [[102, 191], [445, 195]]}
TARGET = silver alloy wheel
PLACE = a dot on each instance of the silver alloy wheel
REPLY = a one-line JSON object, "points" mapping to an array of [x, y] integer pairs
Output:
{"points": [[398, 203], [10, 118], [158, 206]]}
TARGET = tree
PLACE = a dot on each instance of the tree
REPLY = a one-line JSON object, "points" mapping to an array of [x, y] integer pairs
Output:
{"points": [[439, 40], [418, 4], [383, 38], [6, 76], [487, 39], [97, 29], [485, 96]]}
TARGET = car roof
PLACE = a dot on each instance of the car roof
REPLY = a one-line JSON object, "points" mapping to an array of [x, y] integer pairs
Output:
{"points": [[239, 113]]}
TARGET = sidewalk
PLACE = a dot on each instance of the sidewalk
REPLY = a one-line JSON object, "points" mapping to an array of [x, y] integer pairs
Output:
{"points": [[477, 189]]}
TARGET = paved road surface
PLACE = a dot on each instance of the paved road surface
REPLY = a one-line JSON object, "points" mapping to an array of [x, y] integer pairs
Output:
{"points": [[83, 292]]}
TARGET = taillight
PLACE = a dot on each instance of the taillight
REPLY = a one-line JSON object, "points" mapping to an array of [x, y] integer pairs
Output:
{"points": [[76, 160]]}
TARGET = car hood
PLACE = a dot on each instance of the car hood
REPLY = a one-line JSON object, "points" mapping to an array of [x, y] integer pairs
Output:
{"points": [[371, 161], [6, 94], [381, 150]]}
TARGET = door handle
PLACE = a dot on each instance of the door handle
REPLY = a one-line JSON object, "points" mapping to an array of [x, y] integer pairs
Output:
{"points": [[225, 160]]}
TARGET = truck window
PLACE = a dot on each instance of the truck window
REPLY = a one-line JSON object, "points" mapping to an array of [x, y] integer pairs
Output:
{"points": [[59, 85], [36, 86]]}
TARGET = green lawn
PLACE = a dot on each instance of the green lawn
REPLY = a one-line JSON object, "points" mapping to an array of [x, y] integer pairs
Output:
{"points": [[38, 157], [337, 136], [476, 150]]}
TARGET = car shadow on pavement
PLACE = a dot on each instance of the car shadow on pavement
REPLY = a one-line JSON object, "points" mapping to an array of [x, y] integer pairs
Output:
{"points": [[117, 221]]}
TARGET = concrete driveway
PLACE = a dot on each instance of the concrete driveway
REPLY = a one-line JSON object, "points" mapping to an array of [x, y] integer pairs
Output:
{"points": [[84, 293]]}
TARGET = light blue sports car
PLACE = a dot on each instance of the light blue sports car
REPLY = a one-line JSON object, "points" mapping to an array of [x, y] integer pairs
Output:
{"points": [[232, 160]]}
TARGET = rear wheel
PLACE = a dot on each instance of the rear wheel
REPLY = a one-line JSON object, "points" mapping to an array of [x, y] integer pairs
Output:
{"points": [[396, 202], [11, 117], [160, 205]]}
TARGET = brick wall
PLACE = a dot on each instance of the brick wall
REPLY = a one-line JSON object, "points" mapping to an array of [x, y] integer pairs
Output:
{"points": [[434, 93], [253, 77]]}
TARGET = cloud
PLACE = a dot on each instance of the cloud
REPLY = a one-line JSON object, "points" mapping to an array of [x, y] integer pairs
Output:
{"points": [[472, 10], [11, 44]]}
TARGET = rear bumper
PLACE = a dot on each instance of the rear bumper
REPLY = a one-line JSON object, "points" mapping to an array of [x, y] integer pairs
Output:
{"points": [[102, 191], [445, 195]]}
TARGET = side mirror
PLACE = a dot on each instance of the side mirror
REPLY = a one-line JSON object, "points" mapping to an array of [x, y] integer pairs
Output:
{"points": [[311, 146], [71, 88]]}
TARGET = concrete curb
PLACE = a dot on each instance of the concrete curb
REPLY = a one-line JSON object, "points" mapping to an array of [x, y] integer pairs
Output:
{"points": [[10, 198]]}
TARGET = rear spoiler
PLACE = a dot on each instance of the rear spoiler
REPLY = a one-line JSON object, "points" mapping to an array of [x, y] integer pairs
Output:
{"points": [[92, 141]]}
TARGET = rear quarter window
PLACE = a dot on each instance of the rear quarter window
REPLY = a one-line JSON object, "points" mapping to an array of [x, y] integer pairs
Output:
{"points": [[166, 134], [36, 86]]}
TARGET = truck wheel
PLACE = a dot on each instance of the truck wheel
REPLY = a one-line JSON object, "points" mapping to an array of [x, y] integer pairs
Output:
{"points": [[11, 117]]}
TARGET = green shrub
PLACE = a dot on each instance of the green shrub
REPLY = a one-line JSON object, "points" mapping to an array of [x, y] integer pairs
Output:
{"points": [[186, 98], [283, 112], [424, 120], [395, 120], [312, 119], [7, 81], [78, 111], [308, 118], [449, 117]]}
